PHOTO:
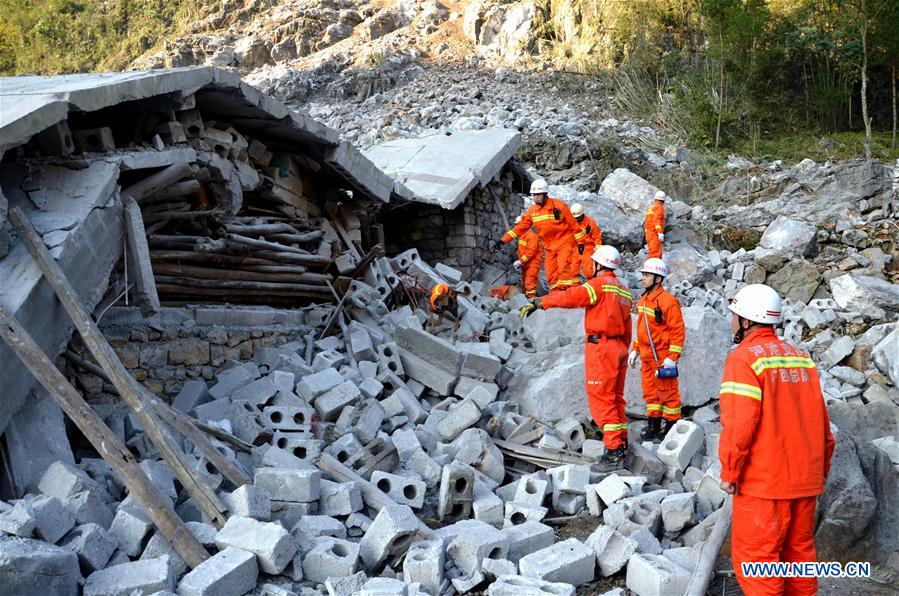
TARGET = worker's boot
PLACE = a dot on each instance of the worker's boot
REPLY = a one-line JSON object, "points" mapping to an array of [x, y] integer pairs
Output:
{"points": [[666, 426], [613, 459], [652, 431]]}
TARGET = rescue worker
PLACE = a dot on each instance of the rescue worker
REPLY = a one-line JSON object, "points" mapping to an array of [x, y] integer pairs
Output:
{"points": [[607, 322], [654, 226], [659, 343], [528, 263], [592, 239], [443, 301], [775, 444], [558, 231]]}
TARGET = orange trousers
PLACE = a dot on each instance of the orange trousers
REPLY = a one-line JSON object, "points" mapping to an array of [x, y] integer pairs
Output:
{"points": [[583, 263], [605, 364], [530, 276], [773, 530], [662, 396], [653, 245], [559, 264]]}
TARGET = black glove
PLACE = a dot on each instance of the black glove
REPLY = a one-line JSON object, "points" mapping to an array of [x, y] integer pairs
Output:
{"points": [[498, 245], [529, 308], [580, 249], [589, 229], [557, 214]]}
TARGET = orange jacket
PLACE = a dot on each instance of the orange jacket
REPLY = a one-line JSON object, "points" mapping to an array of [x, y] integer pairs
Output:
{"points": [[668, 336], [775, 442], [438, 291], [608, 305], [655, 219], [592, 233], [554, 231], [529, 247]]}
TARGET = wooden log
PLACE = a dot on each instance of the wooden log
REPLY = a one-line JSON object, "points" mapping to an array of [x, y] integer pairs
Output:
{"points": [[156, 182], [262, 229], [287, 257], [208, 257], [265, 244], [236, 284], [175, 270], [107, 444], [160, 215], [135, 396], [223, 295], [708, 551], [298, 238]]}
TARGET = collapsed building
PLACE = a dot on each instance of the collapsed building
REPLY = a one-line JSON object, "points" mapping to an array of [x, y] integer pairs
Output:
{"points": [[269, 281]]}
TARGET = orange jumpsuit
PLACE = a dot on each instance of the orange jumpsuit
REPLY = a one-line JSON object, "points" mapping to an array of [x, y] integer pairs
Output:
{"points": [[438, 291], [529, 252], [661, 395], [560, 235], [607, 322], [775, 446], [653, 225], [592, 239]]}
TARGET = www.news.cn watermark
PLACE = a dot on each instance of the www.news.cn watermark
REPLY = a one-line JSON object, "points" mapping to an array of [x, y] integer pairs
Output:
{"points": [[806, 569]]}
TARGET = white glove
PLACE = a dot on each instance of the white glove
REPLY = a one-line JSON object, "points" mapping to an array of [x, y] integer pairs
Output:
{"points": [[632, 358], [669, 363], [517, 265], [661, 237]]}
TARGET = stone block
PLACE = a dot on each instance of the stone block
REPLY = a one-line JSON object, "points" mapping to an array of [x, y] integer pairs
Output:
{"points": [[654, 575], [331, 403], [330, 558], [16, 521], [231, 571], [339, 498], [682, 442], [130, 528], [475, 542], [570, 561], [391, 533], [678, 511], [518, 585], [424, 564], [456, 492], [63, 480], [270, 542], [35, 567], [93, 545], [141, 577], [302, 486], [403, 490], [612, 549], [87, 508], [249, 501], [612, 488], [463, 416], [193, 393], [51, 520]]}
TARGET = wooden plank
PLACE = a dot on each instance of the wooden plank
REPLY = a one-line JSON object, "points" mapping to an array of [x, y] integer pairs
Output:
{"points": [[135, 396], [107, 444]]}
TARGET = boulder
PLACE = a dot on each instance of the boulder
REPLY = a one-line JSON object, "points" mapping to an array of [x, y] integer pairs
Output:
{"points": [[618, 229], [551, 385], [861, 292], [790, 236], [886, 356], [861, 358], [797, 280], [556, 327], [35, 567], [631, 193], [866, 422], [500, 29], [685, 263]]}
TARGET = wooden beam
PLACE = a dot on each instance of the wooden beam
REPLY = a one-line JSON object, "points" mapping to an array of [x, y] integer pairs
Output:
{"points": [[107, 444]]}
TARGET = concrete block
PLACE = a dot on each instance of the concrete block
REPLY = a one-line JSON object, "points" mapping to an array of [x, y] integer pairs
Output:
{"points": [[311, 386], [249, 501], [422, 464], [217, 409], [357, 524], [432, 349], [389, 358], [233, 379], [612, 549], [570, 561], [463, 416], [339, 498], [518, 585], [569, 503], [93, 545], [645, 539], [257, 392], [681, 443], [141, 577], [329, 404], [383, 586], [35, 567], [344, 448], [87, 508], [313, 526], [653, 575], [232, 571], [479, 366], [16, 521], [463, 584], [475, 542], [612, 488], [481, 396], [487, 507], [391, 533], [330, 558], [403, 490], [519, 513], [371, 387], [363, 420], [63, 480], [193, 393], [572, 478], [496, 568], [709, 496], [51, 520], [270, 542], [158, 547], [327, 359], [429, 375], [424, 564], [130, 528], [301, 445], [678, 511], [402, 401], [275, 457], [303, 486], [360, 345], [456, 492], [685, 557], [288, 418], [466, 385], [572, 432], [531, 490], [595, 505], [701, 531]]}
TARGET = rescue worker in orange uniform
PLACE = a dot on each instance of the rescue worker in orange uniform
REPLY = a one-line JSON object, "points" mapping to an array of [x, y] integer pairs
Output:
{"points": [[592, 239], [530, 252], [558, 231], [775, 444], [659, 343], [607, 322], [443, 300], [654, 226]]}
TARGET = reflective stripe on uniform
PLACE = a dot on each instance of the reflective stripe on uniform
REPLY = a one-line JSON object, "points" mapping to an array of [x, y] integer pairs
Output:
{"points": [[766, 362], [539, 218], [590, 292], [616, 290], [512, 234], [522, 242], [579, 235], [608, 427], [743, 389], [646, 310], [653, 407], [668, 410], [675, 349]]}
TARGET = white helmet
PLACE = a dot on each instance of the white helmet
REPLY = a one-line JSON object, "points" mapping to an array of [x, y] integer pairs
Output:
{"points": [[607, 256], [758, 303], [518, 219], [577, 209], [539, 186], [660, 195], [656, 266]]}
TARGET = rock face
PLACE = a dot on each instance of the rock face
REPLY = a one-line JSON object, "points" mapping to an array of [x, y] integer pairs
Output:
{"points": [[860, 292], [886, 356], [797, 280], [499, 29], [790, 236], [631, 193]]}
